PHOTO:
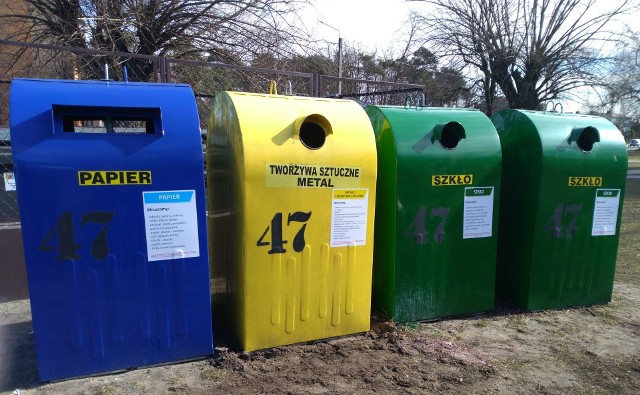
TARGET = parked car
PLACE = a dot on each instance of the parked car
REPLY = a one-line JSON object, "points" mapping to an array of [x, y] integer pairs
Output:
{"points": [[634, 143]]}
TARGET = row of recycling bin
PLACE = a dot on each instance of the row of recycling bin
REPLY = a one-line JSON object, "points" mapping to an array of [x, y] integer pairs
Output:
{"points": [[112, 201]]}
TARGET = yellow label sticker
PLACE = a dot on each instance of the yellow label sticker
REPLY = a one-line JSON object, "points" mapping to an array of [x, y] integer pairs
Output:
{"points": [[291, 175], [452, 179], [585, 181], [109, 177], [346, 194]]}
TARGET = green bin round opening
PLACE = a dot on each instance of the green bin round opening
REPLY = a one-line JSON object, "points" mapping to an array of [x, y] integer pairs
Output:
{"points": [[588, 137], [451, 135]]}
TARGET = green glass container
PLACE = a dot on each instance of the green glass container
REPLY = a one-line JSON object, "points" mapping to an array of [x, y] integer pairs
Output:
{"points": [[436, 212], [563, 184]]}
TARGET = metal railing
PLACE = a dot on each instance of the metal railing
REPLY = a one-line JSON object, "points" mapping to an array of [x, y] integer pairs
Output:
{"points": [[208, 78], [370, 92], [28, 60]]}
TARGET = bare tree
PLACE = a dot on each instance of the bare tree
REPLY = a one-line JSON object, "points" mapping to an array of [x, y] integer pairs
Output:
{"points": [[224, 30], [623, 82], [619, 89], [532, 50]]}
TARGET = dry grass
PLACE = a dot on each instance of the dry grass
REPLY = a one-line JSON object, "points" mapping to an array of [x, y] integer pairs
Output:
{"points": [[586, 350], [628, 264]]}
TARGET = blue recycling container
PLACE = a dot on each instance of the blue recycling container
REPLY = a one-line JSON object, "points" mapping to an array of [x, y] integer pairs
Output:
{"points": [[111, 194]]}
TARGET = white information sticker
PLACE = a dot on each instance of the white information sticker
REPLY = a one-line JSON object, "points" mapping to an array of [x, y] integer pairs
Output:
{"points": [[9, 182], [478, 212], [349, 217], [171, 225], [605, 212]]}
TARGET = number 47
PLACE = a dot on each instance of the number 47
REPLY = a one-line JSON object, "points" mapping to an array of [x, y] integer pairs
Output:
{"points": [[67, 246], [554, 224], [418, 227], [277, 243]]}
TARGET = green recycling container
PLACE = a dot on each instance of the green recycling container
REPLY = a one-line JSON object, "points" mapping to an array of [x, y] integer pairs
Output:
{"points": [[563, 183], [436, 212]]}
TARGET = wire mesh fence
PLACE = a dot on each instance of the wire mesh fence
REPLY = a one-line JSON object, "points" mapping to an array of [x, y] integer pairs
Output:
{"points": [[368, 92], [8, 199], [207, 79], [27, 60]]}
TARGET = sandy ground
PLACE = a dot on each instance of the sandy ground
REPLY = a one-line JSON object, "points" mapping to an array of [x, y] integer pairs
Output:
{"points": [[588, 350]]}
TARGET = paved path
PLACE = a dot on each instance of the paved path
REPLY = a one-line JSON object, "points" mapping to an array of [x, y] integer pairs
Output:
{"points": [[634, 174]]}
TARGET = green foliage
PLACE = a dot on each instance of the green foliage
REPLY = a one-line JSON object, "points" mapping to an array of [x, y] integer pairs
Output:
{"points": [[445, 86]]}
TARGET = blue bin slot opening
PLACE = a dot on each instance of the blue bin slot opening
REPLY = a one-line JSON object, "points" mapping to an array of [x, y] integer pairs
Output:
{"points": [[99, 120]]}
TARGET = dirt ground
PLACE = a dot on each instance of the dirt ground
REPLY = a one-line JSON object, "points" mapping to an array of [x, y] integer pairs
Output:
{"points": [[588, 350]]}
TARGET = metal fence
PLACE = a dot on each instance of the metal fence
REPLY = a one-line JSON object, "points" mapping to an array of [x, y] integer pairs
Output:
{"points": [[207, 79], [28, 60], [367, 92]]}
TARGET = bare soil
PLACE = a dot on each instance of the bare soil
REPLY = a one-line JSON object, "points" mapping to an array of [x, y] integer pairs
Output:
{"points": [[587, 350]]}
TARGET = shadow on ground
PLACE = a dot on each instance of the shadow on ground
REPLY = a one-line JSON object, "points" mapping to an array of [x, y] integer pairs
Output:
{"points": [[18, 367]]}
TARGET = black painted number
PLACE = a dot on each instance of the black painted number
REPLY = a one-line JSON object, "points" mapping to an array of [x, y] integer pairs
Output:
{"points": [[67, 247], [277, 243], [418, 227], [562, 214]]}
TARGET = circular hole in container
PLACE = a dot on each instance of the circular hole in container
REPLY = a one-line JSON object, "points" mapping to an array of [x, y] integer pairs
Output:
{"points": [[588, 137], [313, 131], [451, 135]]}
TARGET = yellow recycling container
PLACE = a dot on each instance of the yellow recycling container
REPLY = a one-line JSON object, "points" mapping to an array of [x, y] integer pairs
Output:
{"points": [[291, 187]]}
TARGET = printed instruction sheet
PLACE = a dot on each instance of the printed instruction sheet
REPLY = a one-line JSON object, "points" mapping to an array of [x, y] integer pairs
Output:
{"points": [[171, 224], [349, 217], [478, 212]]}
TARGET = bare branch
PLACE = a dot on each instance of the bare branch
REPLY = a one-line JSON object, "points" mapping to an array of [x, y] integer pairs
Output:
{"points": [[227, 30], [534, 50]]}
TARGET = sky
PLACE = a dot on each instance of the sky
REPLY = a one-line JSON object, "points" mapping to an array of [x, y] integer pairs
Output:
{"points": [[376, 24]]}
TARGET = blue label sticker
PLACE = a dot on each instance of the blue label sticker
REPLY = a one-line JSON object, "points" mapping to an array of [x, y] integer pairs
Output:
{"points": [[171, 225], [167, 197]]}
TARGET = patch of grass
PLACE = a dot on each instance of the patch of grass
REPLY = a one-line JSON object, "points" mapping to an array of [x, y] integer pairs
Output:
{"points": [[587, 389], [483, 323], [547, 317], [431, 328], [213, 374], [610, 319], [606, 314], [414, 326], [137, 387], [628, 262], [603, 373], [560, 348], [173, 380], [107, 390], [517, 322]]}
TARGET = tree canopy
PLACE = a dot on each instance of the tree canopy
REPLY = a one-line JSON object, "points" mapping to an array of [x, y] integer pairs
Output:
{"points": [[222, 30], [531, 50], [619, 89]]}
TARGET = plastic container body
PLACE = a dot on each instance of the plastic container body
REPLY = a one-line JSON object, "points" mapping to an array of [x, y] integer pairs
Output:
{"points": [[111, 194], [291, 214], [563, 183], [436, 213]]}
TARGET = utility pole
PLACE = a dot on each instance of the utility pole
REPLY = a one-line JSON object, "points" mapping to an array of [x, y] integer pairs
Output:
{"points": [[339, 56], [339, 64]]}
